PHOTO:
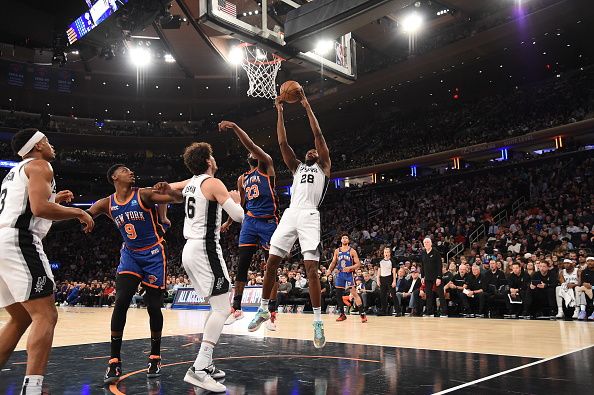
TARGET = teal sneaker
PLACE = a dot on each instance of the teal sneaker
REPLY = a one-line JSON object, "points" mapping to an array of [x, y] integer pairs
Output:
{"points": [[319, 340], [261, 317]]}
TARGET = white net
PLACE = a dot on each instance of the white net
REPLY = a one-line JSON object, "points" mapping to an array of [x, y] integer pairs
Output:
{"points": [[261, 69]]}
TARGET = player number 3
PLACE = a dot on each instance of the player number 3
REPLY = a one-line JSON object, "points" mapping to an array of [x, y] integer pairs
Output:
{"points": [[2, 200]]}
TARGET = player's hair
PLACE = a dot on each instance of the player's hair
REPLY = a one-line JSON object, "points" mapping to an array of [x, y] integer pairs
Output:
{"points": [[195, 157], [112, 170], [345, 234], [21, 137]]}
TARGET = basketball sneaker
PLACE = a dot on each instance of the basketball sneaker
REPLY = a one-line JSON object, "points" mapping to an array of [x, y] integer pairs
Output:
{"points": [[363, 318], [235, 316], [582, 315], [260, 317], [341, 317], [271, 323], [319, 340], [154, 366], [202, 379], [215, 373], [113, 372]]}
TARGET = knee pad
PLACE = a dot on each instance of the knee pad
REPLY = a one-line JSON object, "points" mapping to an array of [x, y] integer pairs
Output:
{"points": [[277, 251], [312, 255], [245, 259], [220, 304]]}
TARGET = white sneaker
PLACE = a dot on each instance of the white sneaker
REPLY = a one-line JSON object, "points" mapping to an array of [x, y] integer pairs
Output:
{"points": [[202, 379], [235, 316], [271, 326], [575, 313], [559, 315]]}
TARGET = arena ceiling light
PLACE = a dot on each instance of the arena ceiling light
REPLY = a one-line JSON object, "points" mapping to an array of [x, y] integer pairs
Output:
{"points": [[169, 58], [323, 47], [236, 55], [140, 57], [412, 23]]}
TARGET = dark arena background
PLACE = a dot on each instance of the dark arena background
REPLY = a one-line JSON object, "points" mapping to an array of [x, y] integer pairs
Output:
{"points": [[466, 125]]}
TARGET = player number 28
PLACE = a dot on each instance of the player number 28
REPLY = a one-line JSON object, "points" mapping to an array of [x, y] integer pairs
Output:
{"points": [[130, 231], [252, 192], [309, 178]]}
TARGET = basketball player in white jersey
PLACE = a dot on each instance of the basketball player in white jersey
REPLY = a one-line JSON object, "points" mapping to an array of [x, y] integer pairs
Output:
{"points": [[28, 205], [204, 199], [301, 220], [569, 280]]}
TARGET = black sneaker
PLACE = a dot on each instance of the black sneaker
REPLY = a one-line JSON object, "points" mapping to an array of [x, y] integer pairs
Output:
{"points": [[215, 373], [113, 372], [154, 367]]}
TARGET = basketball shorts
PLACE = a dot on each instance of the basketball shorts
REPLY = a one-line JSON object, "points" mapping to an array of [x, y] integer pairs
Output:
{"points": [[25, 272], [257, 231], [149, 265], [205, 266], [344, 280], [298, 223]]}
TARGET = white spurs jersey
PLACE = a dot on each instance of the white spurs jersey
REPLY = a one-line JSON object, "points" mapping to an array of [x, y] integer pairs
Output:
{"points": [[309, 187], [570, 278], [15, 208], [203, 216]]}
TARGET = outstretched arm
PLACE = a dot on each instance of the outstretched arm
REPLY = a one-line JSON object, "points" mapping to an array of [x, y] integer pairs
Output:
{"points": [[320, 142], [167, 193], [287, 152], [249, 144]]}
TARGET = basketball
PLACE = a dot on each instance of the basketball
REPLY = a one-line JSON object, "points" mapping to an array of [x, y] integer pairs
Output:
{"points": [[289, 91]]}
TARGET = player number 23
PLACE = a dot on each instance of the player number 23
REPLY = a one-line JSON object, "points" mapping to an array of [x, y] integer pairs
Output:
{"points": [[130, 231], [252, 192]]}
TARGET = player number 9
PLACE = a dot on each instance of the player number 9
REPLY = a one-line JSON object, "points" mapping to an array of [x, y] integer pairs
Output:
{"points": [[130, 231]]}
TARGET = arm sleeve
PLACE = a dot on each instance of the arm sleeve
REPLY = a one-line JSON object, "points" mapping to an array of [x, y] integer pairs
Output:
{"points": [[234, 210]]}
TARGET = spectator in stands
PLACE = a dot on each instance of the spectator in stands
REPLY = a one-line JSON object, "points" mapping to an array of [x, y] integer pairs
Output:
{"points": [[494, 283], [584, 291], [458, 285], [473, 296], [284, 287], [540, 298], [300, 282], [402, 287], [518, 282], [369, 294], [407, 298]]}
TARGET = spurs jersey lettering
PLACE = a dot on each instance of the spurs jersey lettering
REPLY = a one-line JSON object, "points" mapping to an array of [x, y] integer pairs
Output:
{"points": [[309, 187], [15, 208], [570, 278], [203, 216]]}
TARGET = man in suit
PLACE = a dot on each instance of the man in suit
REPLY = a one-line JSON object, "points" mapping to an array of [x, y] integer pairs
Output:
{"points": [[402, 286], [431, 267], [412, 285]]}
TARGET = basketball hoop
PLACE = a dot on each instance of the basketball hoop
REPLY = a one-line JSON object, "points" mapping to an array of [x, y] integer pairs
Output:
{"points": [[261, 68]]}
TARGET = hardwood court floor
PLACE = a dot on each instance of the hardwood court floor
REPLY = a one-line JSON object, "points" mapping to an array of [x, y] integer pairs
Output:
{"points": [[535, 338], [387, 355]]}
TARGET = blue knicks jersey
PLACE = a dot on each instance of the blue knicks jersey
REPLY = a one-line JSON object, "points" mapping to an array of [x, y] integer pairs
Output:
{"points": [[260, 198], [138, 225], [344, 259]]}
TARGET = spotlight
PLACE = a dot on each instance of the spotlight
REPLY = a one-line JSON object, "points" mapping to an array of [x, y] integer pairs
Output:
{"points": [[412, 23], [236, 55], [140, 57], [323, 47], [169, 58], [260, 55]]}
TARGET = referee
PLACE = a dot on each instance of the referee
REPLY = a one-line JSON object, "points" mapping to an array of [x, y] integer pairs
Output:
{"points": [[431, 271]]}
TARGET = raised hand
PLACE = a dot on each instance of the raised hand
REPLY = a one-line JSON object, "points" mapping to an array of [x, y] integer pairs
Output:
{"points": [[162, 188], [224, 125], [64, 197]]}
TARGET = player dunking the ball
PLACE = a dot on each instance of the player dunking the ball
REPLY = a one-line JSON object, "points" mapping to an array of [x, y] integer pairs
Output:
{"points": [[204, 198], [258, 197], [348, 262], [301, 220], [142, 261]]}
